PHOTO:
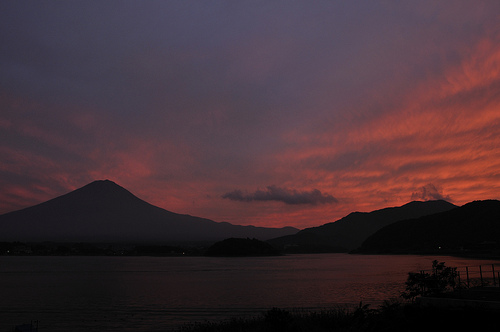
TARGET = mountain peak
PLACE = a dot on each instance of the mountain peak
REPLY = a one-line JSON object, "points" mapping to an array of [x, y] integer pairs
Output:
{"points": [[103, 211], [437, 201], [102, 184], [103, 189]]}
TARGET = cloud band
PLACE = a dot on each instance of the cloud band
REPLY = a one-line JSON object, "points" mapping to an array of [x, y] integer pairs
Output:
{"points": [[285, 195]]}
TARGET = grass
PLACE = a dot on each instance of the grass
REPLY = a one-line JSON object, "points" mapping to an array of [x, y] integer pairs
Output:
{"points": [[391, 316]]}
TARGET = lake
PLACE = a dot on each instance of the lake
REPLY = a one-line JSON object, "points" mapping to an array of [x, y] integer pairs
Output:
{"points": [[160, 293]]}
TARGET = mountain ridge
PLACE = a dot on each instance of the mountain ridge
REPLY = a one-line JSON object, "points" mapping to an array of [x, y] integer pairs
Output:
{"points": [[475, 227], [349, 232]]}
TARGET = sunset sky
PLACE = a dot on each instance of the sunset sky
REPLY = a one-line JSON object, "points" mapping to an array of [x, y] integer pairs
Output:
{"points": [[266, 113]]}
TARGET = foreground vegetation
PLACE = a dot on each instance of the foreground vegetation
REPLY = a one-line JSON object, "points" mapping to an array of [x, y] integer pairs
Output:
{"points": [[392, 316]]}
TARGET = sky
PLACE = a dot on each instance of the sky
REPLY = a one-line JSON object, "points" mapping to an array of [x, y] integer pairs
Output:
{"points": [[265, 113]]}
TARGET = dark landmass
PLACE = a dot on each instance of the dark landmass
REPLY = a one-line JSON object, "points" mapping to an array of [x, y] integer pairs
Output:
{"points": [[349, 232], [236, 247], [104, 212], [470, 230], [97, 249], [305, 242]]}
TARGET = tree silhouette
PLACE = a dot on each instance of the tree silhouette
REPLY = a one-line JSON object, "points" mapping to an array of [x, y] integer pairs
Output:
{"points": [[440, 280]]}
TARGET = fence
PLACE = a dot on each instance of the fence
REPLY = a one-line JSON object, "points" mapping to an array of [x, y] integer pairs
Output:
{"points": [[479, 276], [444, 281], [432, 281]]}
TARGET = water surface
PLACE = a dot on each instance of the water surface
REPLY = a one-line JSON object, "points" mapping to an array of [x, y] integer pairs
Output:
{"points": [[160, 293]]}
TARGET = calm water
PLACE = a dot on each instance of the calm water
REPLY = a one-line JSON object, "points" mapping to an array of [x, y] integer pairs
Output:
{"points": [[160, 293]]}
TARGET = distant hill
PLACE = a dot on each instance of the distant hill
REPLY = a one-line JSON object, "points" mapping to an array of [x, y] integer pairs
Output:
{"points": [[235, 247], [472, 227], [349, 232], [102, 211]]}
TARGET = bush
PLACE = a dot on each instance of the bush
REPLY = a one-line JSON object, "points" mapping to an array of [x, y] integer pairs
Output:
{"points": [[440, 280]]}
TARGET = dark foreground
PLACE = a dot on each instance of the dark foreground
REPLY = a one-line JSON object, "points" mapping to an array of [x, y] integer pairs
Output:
{"points": [[392, 316]]}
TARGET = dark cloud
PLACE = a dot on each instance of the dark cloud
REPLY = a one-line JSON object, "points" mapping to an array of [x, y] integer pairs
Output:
{"points": [[285, 195], [429, 192]]}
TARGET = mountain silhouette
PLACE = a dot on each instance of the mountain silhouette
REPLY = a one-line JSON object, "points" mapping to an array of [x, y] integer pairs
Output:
{"points": [[474, 227], [103, 211], [349, 232]]}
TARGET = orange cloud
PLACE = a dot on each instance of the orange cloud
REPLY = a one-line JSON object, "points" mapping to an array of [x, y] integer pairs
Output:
{"points": [[444, 133]]}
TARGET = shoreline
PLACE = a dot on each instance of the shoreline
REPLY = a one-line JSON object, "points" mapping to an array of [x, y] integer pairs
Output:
{"points": [[18, 248]]}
